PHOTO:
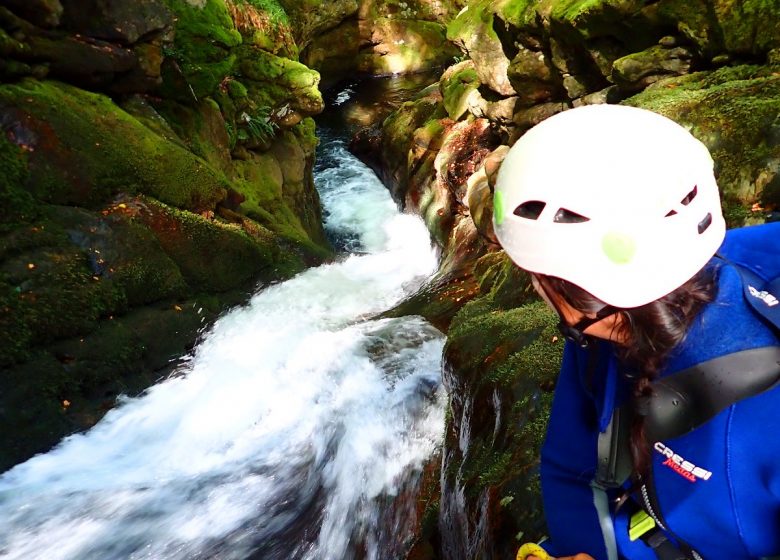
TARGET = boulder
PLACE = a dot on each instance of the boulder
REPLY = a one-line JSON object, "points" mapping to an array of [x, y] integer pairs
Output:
{"points": [[638, 70], [278, 82], [473, 31], [82, 148]]}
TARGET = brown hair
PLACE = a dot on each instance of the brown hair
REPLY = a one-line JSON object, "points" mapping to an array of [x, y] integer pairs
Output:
{"points": [[650, 332]]}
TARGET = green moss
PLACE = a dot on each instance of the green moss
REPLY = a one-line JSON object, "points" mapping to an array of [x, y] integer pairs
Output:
{"points": [[745, 27], [476, 15], [19, 204], [212, 256], [457, 88], [266, 25], [503, 363], [236, 89], [279, 81], [49, 289], [205, 35], [85, 149], [519, 13], [272, 8], [750, 26], [306, 132]]}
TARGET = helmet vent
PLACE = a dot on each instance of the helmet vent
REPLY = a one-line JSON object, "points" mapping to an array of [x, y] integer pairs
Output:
{"points": [[563, 216], [690, 196], [686, 201], [530, 209], [705, 223]]}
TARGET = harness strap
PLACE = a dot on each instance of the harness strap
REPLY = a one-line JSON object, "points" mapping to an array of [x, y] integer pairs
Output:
{"points": [[685, 400]]}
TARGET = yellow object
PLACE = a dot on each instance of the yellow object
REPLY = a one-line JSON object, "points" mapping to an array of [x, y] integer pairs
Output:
{"points": [[531, 549], [640, 524]]}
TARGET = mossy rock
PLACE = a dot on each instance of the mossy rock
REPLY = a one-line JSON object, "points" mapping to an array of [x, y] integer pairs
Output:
{"points": [[334, 54], [212, 256], [201, 128], [264, 24], [82, 149], [746, 27], [49, 288], [459, 86], [310, 18], [202, 47], [473, 30], [72, 383], [20, 206], [398, 131], [523, 14], [276, 82], [501, 367], [734, 112]]}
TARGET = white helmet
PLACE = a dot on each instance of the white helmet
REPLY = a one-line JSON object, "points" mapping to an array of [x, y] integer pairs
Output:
{"points": [[618, 200]]}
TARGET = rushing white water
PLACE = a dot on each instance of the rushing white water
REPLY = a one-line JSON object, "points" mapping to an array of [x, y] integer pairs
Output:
{"points": [[294, 413]]}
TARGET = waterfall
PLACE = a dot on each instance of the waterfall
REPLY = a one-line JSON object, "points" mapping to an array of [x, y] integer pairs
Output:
{"points": [[293, 417]]}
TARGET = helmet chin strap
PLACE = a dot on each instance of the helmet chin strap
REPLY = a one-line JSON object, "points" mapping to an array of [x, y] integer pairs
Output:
{"points": [[574, 333]]}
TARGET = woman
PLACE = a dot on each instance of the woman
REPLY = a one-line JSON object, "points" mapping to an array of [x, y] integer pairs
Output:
{"points": [[615, 213]]}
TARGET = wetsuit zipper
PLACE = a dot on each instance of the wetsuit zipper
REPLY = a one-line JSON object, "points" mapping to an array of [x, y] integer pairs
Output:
{"points": [[656, 515], [649, 507]]}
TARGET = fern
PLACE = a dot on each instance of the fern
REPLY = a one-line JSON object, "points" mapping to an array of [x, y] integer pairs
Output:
{"points": [[258, 126]]}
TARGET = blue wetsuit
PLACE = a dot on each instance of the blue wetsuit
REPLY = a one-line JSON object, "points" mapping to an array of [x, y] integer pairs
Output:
{"points": [[731, 513]]}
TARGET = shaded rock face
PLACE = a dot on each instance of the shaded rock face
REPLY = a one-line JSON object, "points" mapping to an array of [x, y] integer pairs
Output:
{"points": [[156, 166], [710, 65], [379, 38]]}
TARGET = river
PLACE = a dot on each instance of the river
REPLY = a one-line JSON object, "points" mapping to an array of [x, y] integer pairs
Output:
{"points": [[296, 415]]}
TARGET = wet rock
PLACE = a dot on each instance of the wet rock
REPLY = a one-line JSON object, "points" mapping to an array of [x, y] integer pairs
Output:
{"points": [[500, 368], [479, 194], [465, 147], [637, 71]]}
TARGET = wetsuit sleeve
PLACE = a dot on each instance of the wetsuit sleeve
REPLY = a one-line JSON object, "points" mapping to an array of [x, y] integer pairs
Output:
{"points": [[577, 515]]}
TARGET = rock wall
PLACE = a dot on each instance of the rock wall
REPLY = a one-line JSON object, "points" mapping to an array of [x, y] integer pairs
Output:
{"points": [[156, 165], [712, 65], [384, 37]]}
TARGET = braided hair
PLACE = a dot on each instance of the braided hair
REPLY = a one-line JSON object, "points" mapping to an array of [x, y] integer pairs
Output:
{"points": [[647, 335]]}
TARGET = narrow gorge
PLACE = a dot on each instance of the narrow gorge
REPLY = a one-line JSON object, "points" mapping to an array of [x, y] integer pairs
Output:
{"points": [[253, 345]]}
